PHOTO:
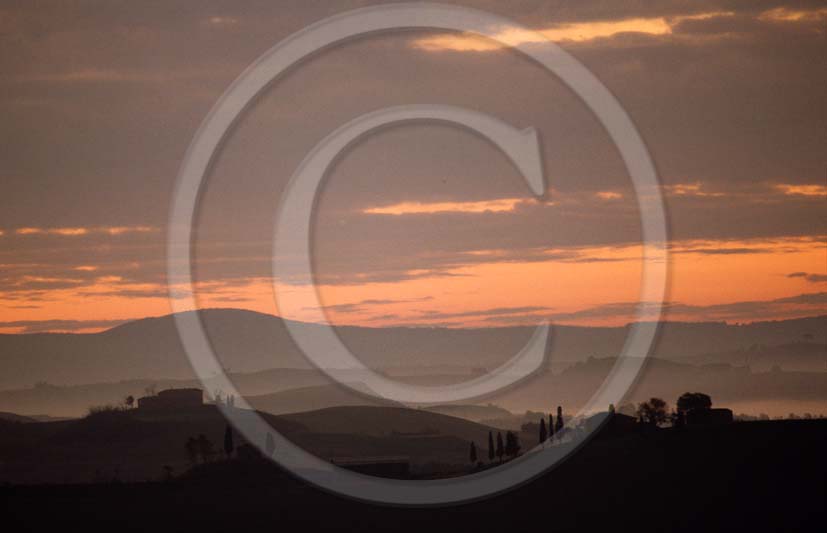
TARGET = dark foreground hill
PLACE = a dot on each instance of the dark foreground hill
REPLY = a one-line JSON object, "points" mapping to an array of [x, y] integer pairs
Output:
{"points": [[750, 477], [382, 421], [134, 446]]}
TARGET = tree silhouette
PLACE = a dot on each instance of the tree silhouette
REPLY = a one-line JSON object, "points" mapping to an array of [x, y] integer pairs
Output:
{"points": [[229, 445], [543, 432], [512, 444], [678, 419], [269, 445], [192, 450], [129, 401], [205, 447], [491, 450], [693, 400], [550, 426], [472, 455], [500, 449], [653, 412], [559, 425]]}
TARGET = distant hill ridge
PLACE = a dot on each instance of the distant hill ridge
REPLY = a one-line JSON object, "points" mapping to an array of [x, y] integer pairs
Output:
{"points": [[247, 341]]}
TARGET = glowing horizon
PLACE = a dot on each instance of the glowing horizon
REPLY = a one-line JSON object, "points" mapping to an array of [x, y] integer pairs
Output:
{"points": [[577, 286]]}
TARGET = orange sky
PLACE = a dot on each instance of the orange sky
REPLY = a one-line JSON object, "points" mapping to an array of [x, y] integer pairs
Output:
{"points": [[521, 292], [728, 98]]}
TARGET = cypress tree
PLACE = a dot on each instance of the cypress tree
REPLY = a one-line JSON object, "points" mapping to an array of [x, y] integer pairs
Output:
{"points": [[500, 449], [559, 424], [512, 444], [491, 449], [543, 432], [473, 453], [550, 426]]}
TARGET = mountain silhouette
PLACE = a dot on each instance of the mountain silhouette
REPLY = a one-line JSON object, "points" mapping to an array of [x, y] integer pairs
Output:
{"points": [[247, 341]]}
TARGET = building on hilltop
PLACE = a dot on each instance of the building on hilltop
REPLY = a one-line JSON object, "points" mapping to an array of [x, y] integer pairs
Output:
{"points": [[172, 400]]}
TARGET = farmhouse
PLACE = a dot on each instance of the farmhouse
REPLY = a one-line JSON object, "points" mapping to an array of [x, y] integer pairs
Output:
{"points": [[172, 400]]}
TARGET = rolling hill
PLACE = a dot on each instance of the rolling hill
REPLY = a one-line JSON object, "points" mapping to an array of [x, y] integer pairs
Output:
{"points": [[134, 446], [312, 398], [250, 342]]}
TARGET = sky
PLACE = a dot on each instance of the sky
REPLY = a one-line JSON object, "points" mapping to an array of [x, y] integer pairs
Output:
{"points": [[425, 224]]}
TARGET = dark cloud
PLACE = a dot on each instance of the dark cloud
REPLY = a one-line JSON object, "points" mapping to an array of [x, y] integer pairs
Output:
{"points": [[814, 298], [231, 299], [490, 314], [722, 251], [812, 278], [363, 305], [43, 326], [788, 307], [126, 292]]}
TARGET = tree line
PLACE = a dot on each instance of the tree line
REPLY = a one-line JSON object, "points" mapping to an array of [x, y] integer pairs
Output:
{"points": [[510, 446]]}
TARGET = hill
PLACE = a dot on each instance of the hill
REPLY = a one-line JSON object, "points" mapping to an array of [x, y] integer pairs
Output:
{"points": [[778, 392], [11, 417], [477, 413], [123, 445], [775, 392], [75, 400], [133, 446], [250, 342], [389, 421], [714, 479], [312, 398], [792, 356]]}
